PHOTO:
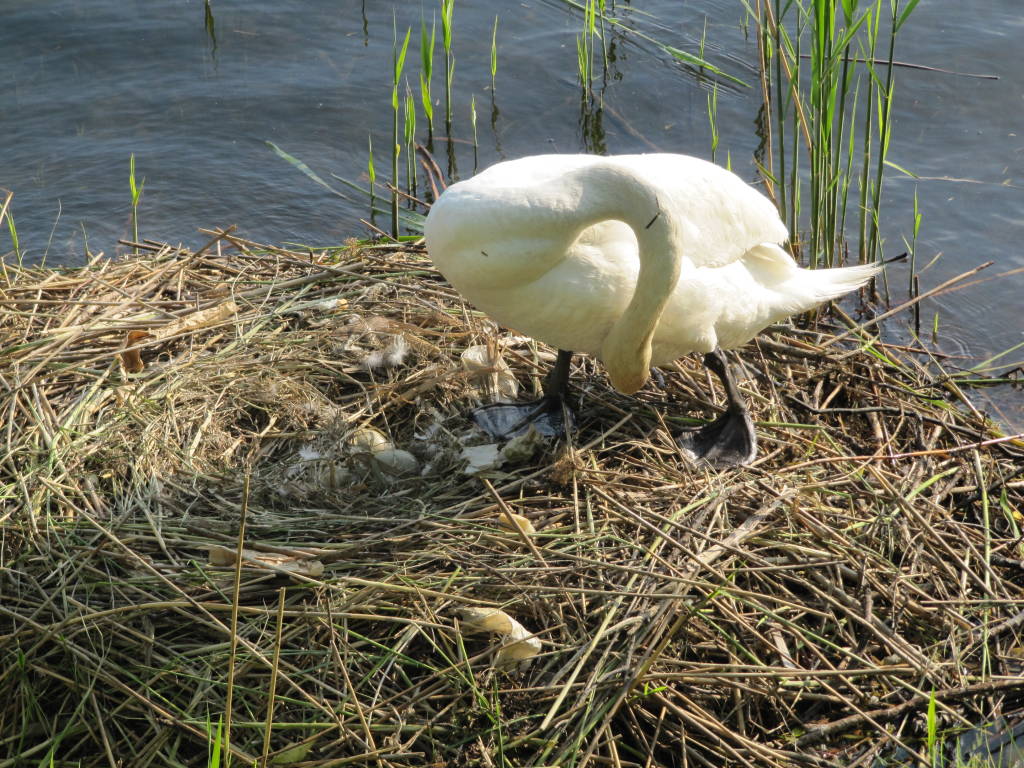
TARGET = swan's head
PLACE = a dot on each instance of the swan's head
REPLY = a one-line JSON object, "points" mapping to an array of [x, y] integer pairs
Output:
{"points": [[628, 364]]}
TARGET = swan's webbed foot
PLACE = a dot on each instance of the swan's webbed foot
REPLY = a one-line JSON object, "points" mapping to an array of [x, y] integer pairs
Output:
{"points": [[549, 415], [728, 441]]}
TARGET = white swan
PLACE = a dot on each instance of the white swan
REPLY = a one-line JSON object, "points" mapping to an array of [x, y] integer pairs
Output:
{"points": [[636, 259]]}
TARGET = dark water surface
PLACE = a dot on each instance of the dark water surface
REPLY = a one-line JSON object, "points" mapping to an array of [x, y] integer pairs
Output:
{"points": [[86, 83]]}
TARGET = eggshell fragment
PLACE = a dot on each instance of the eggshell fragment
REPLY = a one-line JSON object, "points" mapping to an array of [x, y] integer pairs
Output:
{"points": [[369, 440], [481, 458], [521, 449], [395, 461], [489, 373], [518, 644], [511, 521]]}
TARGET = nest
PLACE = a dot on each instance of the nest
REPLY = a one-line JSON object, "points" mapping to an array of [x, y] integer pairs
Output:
{"points": [[202, 550]]}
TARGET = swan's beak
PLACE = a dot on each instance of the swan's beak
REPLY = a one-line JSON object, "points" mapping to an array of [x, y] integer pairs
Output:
{"points": [[628, 364], [628, 380]]}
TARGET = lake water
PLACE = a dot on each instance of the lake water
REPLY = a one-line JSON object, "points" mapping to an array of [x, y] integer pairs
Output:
{"points": [[86, 83]]}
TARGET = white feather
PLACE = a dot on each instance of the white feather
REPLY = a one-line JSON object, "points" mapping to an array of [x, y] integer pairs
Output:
{"points": [[637, 259]]}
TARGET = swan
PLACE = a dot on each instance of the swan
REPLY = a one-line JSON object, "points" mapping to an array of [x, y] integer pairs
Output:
{"points": [[634, 259]]}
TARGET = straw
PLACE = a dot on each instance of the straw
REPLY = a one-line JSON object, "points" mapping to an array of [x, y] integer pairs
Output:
{"points": [[802, 611]]}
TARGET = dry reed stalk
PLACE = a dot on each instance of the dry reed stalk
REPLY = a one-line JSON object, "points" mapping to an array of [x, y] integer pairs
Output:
{"points": [[800, 611]]}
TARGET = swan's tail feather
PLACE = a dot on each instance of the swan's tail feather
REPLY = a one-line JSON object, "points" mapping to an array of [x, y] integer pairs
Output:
{"points": [[768, 287], [833, 283], [795, 290], [798, 291]]}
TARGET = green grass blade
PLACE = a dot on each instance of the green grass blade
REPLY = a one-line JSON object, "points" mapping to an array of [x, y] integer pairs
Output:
{"points": [[494, 51], [699, 63], [903, 16], [302, 167]]}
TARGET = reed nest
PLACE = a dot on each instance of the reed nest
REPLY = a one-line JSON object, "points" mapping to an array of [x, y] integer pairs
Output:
{"points": [[807, 610]]}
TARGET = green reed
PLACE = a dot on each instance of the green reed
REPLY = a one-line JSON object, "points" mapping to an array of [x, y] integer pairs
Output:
{"points": [[592, 52], [427, 45], [398, 62], [472, 121], [828, 104], [494, 54], [932, 737], [585, 48], [5, 213], [447, 12], [136, 191], [371, 171], [409, 134], [600, 17], [713, 120], [913, 289], [210, 25], [703, 39]]}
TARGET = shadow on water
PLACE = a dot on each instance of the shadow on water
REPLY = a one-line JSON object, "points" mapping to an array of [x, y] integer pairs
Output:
{"points": [[592, 127]]}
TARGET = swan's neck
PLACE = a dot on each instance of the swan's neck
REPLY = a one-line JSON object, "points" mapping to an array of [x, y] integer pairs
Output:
{"points": [[544, 220], [609, 191]]}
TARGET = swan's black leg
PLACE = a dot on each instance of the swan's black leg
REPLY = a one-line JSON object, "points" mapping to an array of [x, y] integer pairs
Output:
{"points": [[728, 441], [556, 384], [549, 415]]}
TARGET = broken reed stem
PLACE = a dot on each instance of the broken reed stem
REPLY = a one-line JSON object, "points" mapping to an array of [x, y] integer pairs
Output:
{"points": [[272, 686], [228, 709]]}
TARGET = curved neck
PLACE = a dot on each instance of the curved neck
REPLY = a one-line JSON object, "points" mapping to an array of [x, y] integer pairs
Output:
{"points": [[544, 219], [611, 191]]}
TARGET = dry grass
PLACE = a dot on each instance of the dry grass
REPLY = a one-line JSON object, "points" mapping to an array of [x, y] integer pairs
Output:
{"points": [[800, 611]]}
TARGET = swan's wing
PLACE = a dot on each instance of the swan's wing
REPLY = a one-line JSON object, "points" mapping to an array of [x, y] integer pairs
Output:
{"points": [[720, 216]]}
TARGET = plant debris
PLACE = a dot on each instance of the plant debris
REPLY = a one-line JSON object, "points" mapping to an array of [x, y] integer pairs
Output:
{"points": [[802, 611]]}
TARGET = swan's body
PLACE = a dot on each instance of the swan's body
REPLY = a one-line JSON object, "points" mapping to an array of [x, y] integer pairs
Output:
{"points": [[636, 259]]}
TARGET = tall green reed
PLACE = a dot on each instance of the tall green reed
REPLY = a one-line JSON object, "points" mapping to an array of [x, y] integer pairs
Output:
{"points": [[585, 48], [447, 12], [371, 171], [596, 15], [398, 62], [427, 45], [828, 102], [409, 134], [884, 99], [589, 40], [472, 121], [914, 287]]}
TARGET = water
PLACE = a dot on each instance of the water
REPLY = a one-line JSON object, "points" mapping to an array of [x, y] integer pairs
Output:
{"points": [[86, 83]]}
